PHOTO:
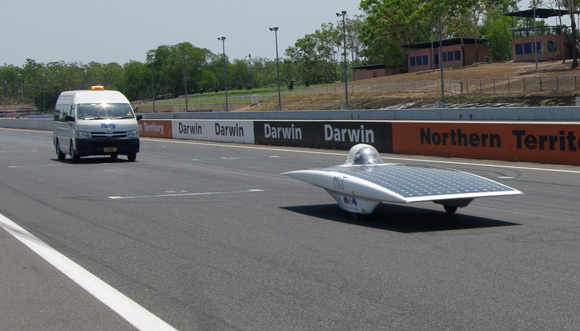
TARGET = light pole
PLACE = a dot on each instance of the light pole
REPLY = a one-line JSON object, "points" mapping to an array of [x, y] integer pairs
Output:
{"points": [[213, 62], [441, 55], [43, 94], [251, 83], [21, 89], [57, 84], [184, 75], [4, 93], [275, 29], [343, 14], [535, 40], [432, 56], [150, 58], [223, 40], [85, 78]]}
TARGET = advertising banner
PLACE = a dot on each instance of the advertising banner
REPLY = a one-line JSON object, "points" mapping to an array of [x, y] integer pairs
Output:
{"points": [[210, 130], [530, 142], [321, 134], [155, 128]]}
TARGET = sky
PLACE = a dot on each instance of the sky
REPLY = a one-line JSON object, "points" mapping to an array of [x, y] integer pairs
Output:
{"points": [[119, 31]]}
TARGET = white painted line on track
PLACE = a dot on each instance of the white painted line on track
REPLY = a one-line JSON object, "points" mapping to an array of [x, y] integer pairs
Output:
{"points": [[384, 157], [128, 309], [487, 165], [182, 194], [37, 166]]}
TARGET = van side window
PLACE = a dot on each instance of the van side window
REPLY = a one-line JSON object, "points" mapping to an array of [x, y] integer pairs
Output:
{"points": [[60, 113], [57, 113]]}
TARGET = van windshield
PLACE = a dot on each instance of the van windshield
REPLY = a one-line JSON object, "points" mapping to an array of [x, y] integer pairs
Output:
{"points": [[98, 111]]}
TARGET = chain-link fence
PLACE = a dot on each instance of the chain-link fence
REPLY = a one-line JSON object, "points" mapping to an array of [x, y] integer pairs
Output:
{"points": [[520, 85], [457, 87]]}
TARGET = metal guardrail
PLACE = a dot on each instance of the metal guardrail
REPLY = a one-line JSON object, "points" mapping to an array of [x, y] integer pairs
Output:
{"points": [[18, 112]]}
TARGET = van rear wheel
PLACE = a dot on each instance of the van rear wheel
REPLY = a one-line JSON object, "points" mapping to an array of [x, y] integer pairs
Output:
{"points": [[74, 156], [61, 156]]}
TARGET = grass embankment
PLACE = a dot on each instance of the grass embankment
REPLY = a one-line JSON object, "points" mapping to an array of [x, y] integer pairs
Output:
{"points": [[381, 99]]}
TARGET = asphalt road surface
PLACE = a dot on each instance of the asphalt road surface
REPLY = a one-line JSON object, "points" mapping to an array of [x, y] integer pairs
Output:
{"points": [[208, 236]]}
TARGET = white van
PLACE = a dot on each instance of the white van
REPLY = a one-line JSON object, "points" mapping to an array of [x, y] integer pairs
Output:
{"points": [[95, 122]]}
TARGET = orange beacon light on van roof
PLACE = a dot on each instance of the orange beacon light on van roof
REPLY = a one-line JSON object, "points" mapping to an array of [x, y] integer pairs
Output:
{"points": [[97, 88]]}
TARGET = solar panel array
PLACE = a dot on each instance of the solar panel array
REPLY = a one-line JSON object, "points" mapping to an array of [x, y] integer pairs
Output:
{"points": [[412, 181]]}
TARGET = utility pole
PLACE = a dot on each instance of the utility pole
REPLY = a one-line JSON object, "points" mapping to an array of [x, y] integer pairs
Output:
{"points": [[343, 13], [184, 75], [441, 55], [151, 57], [223, 40], [275, 29]]}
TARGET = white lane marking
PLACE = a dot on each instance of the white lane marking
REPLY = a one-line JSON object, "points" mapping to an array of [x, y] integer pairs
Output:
{"points": [[128, 309], [38, 166], [181, 194], [384, 157], [487, 165]]}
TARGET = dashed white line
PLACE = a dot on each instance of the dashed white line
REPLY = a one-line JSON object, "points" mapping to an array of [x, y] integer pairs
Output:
{"points": [[37, 166], [181, 194], [128, 309]]}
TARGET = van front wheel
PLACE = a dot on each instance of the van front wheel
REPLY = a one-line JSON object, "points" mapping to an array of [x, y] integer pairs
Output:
{"points": [[131, 156]]}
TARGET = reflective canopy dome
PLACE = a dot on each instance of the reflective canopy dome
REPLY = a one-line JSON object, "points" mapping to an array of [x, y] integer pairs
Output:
{"points": [[363, 154]]}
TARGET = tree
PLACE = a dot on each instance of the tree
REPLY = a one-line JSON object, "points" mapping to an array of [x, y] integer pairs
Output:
{"points": [[240, 74], [11, 76], [353, 41], [571, 8], [560, 5], [497, 30], [136, 81], [392, 23]]}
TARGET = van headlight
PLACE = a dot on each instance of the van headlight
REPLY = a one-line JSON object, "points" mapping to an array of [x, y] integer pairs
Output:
{"points": [[83, 135], [133, 134]]}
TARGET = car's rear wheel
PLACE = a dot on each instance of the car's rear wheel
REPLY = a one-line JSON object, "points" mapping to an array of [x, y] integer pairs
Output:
{"points": [[61, 156], [73, 155], [450, 210]]}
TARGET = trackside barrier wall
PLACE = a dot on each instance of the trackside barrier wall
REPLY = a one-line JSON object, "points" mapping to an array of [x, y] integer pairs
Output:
{"points": [[224, 131], [155, 128], [325, 134], [541, 142], [530, 142], [32, 124]]}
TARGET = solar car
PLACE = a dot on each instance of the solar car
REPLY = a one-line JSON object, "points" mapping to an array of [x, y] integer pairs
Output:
{"points": [[365, 180]]}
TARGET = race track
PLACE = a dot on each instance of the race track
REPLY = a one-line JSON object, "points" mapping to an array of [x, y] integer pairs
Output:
{"points": [[210, 236]]}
